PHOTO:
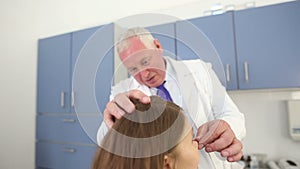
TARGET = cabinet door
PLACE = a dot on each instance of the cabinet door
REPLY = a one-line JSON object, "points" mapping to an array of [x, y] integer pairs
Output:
{"points": [[165, 33], [268, 46], [219, 31], [79, 40], [54, 74], [64, 156], [93, 70], [105, 71]]}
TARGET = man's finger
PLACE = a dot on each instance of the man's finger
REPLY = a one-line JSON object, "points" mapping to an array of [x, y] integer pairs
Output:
{"points": [[235, 157], [202, 135], [122, 101], [209, 132], [225, 140], [137, 94], [234, 149], [122, 104], [114, 110], [111, 112], [108, 119]]}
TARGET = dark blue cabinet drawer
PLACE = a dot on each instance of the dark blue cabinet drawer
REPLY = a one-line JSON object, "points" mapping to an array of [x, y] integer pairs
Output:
{"points": [[68, 128], [60, 156]]}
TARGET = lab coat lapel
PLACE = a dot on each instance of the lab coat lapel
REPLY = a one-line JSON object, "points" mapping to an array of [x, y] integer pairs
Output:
{"points": [[189, 91], [194, 103]]}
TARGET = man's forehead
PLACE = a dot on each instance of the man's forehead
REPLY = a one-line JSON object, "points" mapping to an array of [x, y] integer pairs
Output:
{"points": [[134, 45], [138, 56]]}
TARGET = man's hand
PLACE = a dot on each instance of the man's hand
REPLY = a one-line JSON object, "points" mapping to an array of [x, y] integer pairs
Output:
{"points": [[217, 136], [121, 104]]}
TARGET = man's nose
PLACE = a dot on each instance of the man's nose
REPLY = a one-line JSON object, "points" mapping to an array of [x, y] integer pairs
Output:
{"points": [[144, 73]]}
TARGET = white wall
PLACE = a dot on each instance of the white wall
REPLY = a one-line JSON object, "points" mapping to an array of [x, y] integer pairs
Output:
{"points": [[22, 23], [267, 122]]}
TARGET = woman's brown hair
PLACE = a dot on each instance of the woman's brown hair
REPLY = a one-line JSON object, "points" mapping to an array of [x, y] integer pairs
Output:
{"points": [[139, 140]]}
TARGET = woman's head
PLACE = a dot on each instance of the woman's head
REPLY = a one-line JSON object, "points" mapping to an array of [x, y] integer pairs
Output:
{"points": [[155, 136]]}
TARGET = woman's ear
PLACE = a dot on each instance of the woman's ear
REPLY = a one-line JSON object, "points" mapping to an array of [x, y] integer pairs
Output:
{"points": [[168, 162]]}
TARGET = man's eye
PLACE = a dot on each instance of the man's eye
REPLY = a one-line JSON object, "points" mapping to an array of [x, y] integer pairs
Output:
{"points": [[145, 62], [132, 70]]}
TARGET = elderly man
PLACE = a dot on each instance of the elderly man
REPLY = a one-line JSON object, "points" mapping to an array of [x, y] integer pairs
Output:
{"points": [[192, 84]]}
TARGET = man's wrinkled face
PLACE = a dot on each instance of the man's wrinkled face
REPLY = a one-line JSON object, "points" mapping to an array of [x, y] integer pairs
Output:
{"points": [[146, 65]]}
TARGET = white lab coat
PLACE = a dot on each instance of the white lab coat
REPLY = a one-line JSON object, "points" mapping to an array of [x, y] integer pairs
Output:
{"points": [[204, 99]]}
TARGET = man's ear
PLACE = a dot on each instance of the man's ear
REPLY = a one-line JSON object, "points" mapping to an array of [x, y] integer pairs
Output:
{"points": [[157, 44], [168, 162]]}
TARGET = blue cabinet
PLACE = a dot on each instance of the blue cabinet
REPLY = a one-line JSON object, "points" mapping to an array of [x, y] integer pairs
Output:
{"points": [[104, 77], [62, 141], [64, 156], [94, 68], [93, 57], [54, 74], [258, 47], [268, 46], [65, 139], [57, 62], [165, 33], [79, 40], [68, 128], [210, 33]]}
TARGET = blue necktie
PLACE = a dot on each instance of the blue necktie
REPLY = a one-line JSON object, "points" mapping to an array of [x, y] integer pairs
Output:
{"points": [[163, 92]]}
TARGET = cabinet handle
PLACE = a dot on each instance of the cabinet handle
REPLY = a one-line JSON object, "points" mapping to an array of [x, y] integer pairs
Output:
{"points": [[62, 99], [73, 99], [68, 120], [246, 71], [227, 72], [69, 150]]}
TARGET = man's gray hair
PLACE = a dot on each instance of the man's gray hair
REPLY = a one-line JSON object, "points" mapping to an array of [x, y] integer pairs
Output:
{"points": [[144, 35]]}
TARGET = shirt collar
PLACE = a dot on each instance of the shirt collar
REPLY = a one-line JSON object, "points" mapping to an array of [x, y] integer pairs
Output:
{"points": [[170, 73]]}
